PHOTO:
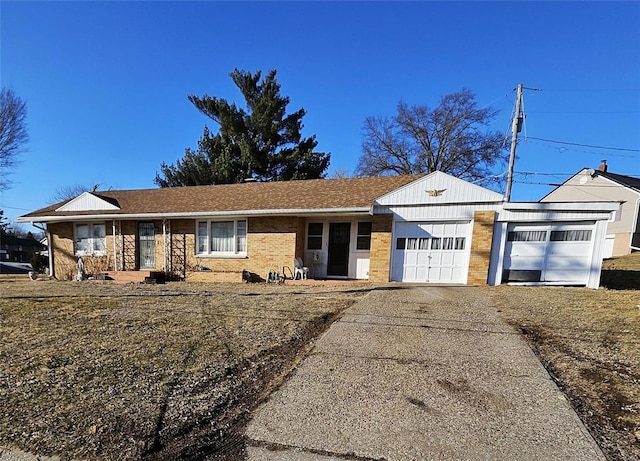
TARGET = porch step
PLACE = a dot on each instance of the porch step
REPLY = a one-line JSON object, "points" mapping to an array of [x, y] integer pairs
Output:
{"points": [[131, 276]]}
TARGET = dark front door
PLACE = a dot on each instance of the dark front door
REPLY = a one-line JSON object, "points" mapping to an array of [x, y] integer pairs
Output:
{"points": [[146, 245], [338, 260]]}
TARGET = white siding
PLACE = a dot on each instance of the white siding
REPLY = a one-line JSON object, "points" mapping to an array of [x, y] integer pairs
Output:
{"points": [[444, 189], [435, 212], [87, 202]]}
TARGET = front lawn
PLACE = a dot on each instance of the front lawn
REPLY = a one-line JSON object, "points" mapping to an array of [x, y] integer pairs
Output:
{"points": [[98, 371]]}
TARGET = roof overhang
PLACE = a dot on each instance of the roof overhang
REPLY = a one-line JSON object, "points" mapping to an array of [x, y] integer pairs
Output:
{"points": [[194, 215], [561, 206]]}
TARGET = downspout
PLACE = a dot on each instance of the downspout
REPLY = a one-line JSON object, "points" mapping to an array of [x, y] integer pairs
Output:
{"points": [[634, 229], [49, 246], [164, 243], [115, 252]]}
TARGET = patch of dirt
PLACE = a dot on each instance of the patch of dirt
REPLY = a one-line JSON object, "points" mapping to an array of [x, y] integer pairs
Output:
{"points": [[99, 371], [589, 341]]}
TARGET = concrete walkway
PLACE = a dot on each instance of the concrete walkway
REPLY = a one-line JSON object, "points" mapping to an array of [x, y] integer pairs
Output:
{"points": [[419, 373]]}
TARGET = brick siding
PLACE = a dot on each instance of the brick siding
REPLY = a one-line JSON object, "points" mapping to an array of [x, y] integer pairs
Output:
{"points": [[481, 239], [380, 258]]}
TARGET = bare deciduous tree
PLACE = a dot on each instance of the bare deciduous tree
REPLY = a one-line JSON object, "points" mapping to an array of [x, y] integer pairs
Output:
{"points": [[13, 132], [449, 138], [72, 191]]}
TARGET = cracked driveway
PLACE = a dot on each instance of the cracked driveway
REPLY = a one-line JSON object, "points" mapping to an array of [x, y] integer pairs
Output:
{"points": [[417, 372]]}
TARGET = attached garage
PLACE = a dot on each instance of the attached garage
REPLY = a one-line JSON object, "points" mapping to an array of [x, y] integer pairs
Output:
{"points": [[548, 253], [551, 243], [436, 236], [433, 252]]}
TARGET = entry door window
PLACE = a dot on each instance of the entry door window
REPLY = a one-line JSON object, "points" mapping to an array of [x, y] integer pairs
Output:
{"points": [[339, 238], [147, 245]]}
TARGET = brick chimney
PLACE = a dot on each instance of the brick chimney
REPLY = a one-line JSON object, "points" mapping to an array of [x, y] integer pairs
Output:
{"points": [[603, 166]]}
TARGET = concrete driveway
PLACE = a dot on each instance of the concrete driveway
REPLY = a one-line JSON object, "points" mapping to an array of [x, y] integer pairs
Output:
{"points": [[419, 373]]}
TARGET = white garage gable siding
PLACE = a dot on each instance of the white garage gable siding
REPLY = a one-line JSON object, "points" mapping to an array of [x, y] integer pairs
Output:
{"points": [[437, 189]]}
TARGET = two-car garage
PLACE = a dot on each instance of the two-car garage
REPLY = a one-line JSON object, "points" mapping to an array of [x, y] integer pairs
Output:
{"points": [[446, 230]]}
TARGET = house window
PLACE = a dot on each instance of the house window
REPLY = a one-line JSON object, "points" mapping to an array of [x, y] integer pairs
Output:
{"points": [[314, 236], [363, 240], [222, 237], [90, 239]]}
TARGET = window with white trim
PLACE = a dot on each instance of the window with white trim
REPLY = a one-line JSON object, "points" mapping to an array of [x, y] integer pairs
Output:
{"points": [[90, 239], [314, 236], [222, 237], [363, 239]]}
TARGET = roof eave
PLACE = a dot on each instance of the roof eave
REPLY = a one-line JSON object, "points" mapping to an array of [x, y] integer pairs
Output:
{"points": [[198, 214], [562, 206]]}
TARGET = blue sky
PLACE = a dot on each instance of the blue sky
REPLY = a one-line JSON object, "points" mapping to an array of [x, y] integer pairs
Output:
{"points": [[106, 83]]}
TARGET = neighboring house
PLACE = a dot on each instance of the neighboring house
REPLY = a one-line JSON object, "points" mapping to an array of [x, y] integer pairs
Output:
{"points": [[623, 232], [433, 228], [18, 249]]}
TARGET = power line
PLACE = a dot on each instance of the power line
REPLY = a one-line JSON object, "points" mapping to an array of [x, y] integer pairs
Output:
{"points": [[635, 176], [585, 145]]}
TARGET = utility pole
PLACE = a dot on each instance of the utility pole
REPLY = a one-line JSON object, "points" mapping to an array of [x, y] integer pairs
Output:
{"points": [[516, 127]]}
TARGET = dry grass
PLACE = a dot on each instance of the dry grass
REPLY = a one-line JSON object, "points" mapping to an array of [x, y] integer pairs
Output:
{"points": [[96, 371], [172, 371], [589, 340]]}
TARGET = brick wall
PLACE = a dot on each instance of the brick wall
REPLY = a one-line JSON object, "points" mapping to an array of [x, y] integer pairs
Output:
{"points": [[271, 244], [380, 258], [64, 259], [481, 239]]}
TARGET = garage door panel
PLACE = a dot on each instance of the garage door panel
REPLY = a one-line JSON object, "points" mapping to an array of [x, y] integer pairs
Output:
{"points": [[523, 263], [447, 259], [526, 249], [564, 275], [568, 262], [556, 253], [459, 259]]}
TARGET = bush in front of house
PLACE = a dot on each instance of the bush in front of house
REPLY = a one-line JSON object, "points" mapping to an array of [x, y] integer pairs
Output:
{"points": [[39, 263]]}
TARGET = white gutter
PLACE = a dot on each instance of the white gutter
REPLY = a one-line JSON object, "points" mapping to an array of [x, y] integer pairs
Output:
{"points": [[562, 206], [113, 230], [164, 245], [249, 213], [49, 244]]}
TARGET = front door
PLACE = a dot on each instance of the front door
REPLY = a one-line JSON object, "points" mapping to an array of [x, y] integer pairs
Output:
{"points": [[146, 245], [338, 258]]}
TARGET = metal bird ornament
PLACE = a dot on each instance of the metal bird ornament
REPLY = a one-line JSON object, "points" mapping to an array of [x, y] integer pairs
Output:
{"points": [[435, 192]]}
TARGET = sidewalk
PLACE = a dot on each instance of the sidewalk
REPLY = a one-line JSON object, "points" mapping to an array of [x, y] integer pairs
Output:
{"points": [[419, 373]]}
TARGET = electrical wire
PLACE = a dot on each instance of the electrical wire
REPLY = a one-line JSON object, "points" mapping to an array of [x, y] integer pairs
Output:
{"points": [[585, 145]]}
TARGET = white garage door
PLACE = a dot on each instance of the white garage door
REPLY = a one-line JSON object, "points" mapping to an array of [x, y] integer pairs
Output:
{"points": [[551, 253], [431, 252]]}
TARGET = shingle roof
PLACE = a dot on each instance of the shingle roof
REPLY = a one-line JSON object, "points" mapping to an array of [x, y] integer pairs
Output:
{"points": [[628, 181], [277, 196], [15, 241]]}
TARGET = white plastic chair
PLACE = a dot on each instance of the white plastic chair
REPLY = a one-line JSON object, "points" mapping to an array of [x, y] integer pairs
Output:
{"points": [[299, 269]]}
